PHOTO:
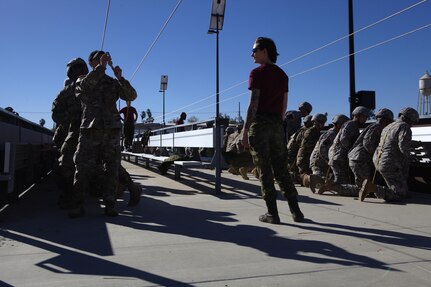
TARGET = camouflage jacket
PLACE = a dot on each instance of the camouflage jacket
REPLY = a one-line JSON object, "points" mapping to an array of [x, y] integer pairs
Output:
{"points": [[319, 156], [344, 141], [393, 151], [311, 137], [292, 123], [294, 143], [99, 93], [367, 142], [66, 113]]}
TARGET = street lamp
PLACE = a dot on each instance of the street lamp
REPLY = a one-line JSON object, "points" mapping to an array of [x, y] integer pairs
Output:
{"points": [[216, 24], [163, 88]]}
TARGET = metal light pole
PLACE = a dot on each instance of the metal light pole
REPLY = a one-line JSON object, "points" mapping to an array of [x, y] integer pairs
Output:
{"points": [[352, 97], [216, 24], [163, 88]]}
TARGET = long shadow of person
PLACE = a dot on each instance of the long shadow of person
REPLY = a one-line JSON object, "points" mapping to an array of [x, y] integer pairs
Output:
{"points": [[160, 216]]}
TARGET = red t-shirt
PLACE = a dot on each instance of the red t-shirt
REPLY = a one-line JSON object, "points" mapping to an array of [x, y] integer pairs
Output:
{"points": [[273, 83], [131, 114]]}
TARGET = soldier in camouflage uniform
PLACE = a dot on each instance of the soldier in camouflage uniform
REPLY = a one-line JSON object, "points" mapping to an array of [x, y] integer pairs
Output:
{"points": [[66, 112], [293, 147], [346, 137], [263, 130], [361, 154], [311, 137], [392, 158], [292, 119], [100, 130], [319, 157]]}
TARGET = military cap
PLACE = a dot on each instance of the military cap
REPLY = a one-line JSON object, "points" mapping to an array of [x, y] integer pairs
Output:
{"points": [[340, 119], [361, 110], [306, 106], [321, 118], [385, 113], [409, 114]]}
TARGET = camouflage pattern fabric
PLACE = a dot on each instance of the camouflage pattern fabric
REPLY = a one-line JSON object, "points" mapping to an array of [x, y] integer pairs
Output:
{"points": [[292, 123], [338, 160], [311, 137], [392, 160], [269, 153], [293, 146], [361, 158], [100, 130], [319, 157]]}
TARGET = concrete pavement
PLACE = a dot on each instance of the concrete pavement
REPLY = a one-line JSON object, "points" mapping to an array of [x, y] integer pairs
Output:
{"points": [[182, 234]]}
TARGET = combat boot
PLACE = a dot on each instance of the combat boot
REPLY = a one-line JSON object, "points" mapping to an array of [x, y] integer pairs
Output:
{"points": [[297, 215], [255, 172], [305, 178], [327, 186], [315, 181], [233, 171], [367, 188], [243, 172], [135, 194], [272, 215]]}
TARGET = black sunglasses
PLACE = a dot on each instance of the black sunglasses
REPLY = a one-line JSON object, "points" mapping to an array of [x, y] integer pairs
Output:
{"points": [[255, 50]]}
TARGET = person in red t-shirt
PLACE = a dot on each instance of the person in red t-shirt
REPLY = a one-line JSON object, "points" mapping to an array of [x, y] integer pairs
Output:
{"points": [[263, 129], [129, 117]]}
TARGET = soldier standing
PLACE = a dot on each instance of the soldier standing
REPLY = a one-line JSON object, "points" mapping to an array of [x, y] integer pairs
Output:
{"points": [[100, 130], [263, 129], [66, 112], [392, 158]]}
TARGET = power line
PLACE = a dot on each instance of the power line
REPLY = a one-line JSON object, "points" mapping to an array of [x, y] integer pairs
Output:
{"points": [[106, 24], [363, 50], [155, 40], [354, 33], [330, 62], [318, 49]]}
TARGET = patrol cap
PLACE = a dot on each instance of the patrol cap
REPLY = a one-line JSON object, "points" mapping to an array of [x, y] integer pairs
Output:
{"points": [[340, 119], [75, 68], [409, 114], [385, 114], [320, 118], [95, 54], [75, 62], [308, 119], [361, 110], [306, 106]]}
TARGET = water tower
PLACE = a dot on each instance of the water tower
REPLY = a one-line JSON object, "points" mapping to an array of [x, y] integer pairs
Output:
{"points": [[424, 103]]}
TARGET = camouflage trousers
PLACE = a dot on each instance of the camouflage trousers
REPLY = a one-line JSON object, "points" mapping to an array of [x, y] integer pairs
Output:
{"points": [[269, 153], [362, 171], [396, 181], [97, 148], [340, 169]]}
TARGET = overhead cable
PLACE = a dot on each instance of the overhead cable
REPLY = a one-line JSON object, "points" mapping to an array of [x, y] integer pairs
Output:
{"points": [[355, 32], [325, 64], [106, 24], [363, 50], [155, 40], [313, 51]]}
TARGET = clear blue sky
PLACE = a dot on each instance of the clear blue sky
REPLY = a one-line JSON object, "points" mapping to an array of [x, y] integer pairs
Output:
{"points": [[39, 37]]}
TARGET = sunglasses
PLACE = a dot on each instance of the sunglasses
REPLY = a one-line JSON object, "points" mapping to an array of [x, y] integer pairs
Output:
{"points": [[255, 50]]}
